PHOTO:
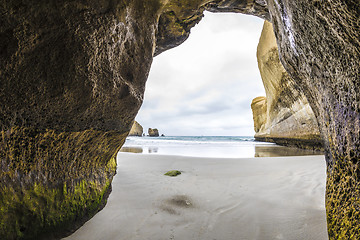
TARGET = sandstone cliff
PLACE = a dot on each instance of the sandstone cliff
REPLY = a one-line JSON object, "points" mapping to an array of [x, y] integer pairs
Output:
{"points": [[136, 130], [284, 116]]}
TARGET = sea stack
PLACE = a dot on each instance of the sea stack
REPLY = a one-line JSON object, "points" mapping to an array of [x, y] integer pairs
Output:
{"points": [[136, 130], [153, 132]]}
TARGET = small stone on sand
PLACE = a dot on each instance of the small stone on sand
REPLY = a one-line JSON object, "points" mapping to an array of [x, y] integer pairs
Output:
{"points": [[173, 173]]}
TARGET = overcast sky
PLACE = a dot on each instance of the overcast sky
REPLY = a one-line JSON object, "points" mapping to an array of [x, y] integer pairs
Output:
{"points": [[205, 86]]}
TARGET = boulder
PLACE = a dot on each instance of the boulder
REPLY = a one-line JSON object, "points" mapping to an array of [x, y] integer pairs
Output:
{"points": [[173, 173]]}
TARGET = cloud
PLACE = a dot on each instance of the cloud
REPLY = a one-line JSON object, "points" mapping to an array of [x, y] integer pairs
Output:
{"points": [[206, 85]]}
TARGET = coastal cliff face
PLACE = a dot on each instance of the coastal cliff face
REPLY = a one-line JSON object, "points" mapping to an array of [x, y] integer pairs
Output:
{"points": [[72, 80], [319, 44], [284, 116], [136, 130]]}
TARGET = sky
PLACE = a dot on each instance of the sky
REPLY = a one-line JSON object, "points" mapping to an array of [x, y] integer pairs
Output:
{"points": [[205, 86]]}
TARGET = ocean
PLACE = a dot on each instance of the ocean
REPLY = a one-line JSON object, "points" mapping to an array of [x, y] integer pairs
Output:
{"points": [[209, 146]]}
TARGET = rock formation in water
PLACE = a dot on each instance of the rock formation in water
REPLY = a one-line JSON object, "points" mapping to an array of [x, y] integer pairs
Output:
{"points": [[284, 116], [136, 130], [73, 75], [153, 132]]}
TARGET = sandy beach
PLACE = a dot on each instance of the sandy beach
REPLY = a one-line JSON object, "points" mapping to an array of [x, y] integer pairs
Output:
{"points": [[213, 199]]}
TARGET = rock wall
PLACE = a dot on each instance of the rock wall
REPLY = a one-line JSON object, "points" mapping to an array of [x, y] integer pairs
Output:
{"points": [[284, 116], [136, 130], [319, 44], [72, 80]]}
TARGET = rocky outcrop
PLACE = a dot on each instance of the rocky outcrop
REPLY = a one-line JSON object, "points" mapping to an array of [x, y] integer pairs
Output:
{"points": [[153, 132], [284, 116], [136, 130], [73, 75]]}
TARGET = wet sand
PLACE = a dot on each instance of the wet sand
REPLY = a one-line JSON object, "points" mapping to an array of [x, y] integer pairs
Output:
{"points": [[222, 199]]}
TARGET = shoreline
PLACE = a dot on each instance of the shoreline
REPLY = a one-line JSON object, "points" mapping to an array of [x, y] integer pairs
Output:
{"points": [[211, 147], [213, 198]]}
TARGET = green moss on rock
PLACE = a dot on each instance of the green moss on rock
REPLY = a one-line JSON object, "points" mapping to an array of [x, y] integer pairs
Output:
{"points": [[173, 173], [343, 199], [42, 212], [51, 182]]}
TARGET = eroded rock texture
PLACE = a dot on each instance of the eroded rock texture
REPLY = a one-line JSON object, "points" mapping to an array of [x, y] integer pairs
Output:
{"points": [[72, 77], [319, 43], [284, 116]]}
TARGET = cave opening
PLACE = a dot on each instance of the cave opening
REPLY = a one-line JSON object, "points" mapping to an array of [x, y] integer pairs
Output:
{"points": [[202, 88], [213, 198], [319, 48], [184, 97], [205, 86]]}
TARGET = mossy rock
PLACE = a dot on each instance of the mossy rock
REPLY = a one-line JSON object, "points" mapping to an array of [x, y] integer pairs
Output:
{"points": [[65, 180], [173, 173]]}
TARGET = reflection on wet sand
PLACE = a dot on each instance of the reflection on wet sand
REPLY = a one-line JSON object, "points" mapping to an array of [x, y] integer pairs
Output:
{"points": [[260, 151], [281, 151], [132, 149], [139, 149], [153, 149]]}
